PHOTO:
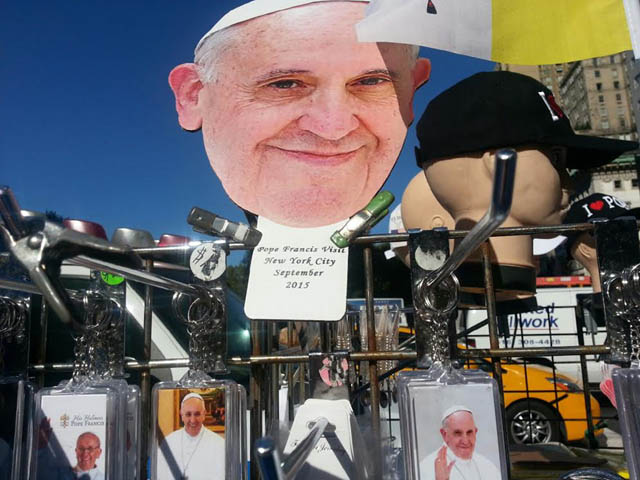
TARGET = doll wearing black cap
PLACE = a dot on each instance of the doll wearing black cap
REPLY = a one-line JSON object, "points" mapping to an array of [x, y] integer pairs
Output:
{"points": [[459, 133], [582, 246]]}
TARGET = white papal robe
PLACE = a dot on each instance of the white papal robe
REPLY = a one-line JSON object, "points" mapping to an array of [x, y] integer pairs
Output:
{"points": [[477, 468], [182, 456], [93, 474]]}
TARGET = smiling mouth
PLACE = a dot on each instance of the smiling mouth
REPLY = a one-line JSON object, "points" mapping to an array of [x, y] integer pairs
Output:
{"points": [[324, 158]]}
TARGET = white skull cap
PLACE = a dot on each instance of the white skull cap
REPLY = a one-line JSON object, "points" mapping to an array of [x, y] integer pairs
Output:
{"points": [[456, 408], [191, 395], [258, 8]]}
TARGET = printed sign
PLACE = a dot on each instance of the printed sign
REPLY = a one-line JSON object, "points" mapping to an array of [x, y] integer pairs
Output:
{"points": [[72, 436], [297, 274]]}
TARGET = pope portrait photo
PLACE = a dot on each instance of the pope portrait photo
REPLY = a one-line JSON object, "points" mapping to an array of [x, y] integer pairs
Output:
{"points": [[190, 434], [456, 428]]}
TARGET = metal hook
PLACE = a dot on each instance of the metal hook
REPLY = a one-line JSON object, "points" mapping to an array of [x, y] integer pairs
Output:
{"points": [[503, 179]]}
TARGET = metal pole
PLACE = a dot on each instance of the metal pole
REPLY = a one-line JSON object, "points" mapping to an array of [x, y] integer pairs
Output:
{"points": [[145, 376], [290, 386], [44, 329], [255, 398], [273, 407], [373, 366], [494, 340], [585, 383]]}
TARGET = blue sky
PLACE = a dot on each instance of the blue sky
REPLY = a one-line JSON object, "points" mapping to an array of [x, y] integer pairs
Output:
{"points": [[88, 125]]}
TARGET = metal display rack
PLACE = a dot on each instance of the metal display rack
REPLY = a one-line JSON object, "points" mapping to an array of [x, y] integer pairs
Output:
{"points": [[617, 243], [261, 358]]}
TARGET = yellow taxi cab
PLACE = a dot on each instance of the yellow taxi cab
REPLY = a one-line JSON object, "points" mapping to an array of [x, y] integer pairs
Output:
{"points": [[540, 406]]}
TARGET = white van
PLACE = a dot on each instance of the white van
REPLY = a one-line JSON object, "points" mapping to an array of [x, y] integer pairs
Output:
{"points": [[554, 323]]}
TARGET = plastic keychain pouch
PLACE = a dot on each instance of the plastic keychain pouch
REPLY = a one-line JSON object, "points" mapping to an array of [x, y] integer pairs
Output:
{"points": [[16, 402], [451, 425], [198, 431], [626, 382], [77, 433], [134, 431]]}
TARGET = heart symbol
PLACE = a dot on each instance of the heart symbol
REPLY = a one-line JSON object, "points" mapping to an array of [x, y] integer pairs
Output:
{"points": [[597, 206], [606, 387]]}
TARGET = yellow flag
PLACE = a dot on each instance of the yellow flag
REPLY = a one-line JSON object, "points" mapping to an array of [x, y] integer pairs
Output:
{"points": [[525, 32], [536, 32]]}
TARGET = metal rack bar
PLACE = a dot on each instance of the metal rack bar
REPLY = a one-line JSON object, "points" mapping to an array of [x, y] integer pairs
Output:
{"points": [[373, 366], [494, 341], [145, 377], [355, 356], [500, 232], [141, 276]]}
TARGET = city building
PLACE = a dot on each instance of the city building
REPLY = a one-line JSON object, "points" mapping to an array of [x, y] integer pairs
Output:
{"points": [[601, 96]]}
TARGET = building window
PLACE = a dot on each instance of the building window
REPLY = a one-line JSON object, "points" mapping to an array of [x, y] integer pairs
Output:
{"points": [[618, 98], [596, 73], [604, 124], [595, 62], [616, 84], [598, 86], [617, 184], [623, 123], [614, 73], [601, 98], [634, 182]]}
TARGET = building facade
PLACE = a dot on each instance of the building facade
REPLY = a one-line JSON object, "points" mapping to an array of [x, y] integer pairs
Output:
{"points": [[601, 96]]}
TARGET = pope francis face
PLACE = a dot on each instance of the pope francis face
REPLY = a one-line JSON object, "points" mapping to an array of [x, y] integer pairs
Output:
{"points": [[192, 413], [459, 433], [301, 122]]}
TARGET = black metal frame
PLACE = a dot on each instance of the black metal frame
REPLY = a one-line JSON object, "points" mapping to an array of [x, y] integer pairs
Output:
{"points": [[263, 355]]}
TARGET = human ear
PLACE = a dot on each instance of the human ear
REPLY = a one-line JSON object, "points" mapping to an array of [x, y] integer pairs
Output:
{"points": [[421, 72], [437, 221], [489, 162], [186, 86], [586, 250]]}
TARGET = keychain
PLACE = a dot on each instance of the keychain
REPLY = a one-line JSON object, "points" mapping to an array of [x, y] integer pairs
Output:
{"points": [[199, 423], [450, 418], [79, 426]]}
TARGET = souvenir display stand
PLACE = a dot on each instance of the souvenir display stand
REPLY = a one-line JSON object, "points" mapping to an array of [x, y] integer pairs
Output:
{"points": [[39, 247]]}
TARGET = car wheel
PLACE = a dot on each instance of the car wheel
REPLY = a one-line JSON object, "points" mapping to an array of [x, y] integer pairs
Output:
{"points": [[533, 422]]}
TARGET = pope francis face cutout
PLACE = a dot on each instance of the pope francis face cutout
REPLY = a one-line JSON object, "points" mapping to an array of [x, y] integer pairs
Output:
{"points": [[301, 122]]}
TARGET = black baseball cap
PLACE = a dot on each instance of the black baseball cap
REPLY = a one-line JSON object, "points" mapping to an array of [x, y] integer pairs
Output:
{"points": [[596, 205], [490, 110]]}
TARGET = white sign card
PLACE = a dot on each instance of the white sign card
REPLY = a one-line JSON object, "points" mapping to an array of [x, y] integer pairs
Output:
{"points": [[340, 453], [75, 429], [297, 274]]}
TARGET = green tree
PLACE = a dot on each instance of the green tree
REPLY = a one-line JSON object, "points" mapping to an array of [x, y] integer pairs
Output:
{"points": [[238, 275]]}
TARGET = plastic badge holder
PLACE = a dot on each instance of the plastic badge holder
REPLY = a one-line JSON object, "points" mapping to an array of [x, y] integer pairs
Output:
{"points": [[78, 428], [626, 382], [134, 431], [16, 402], [466, 397], [202, 436]]}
